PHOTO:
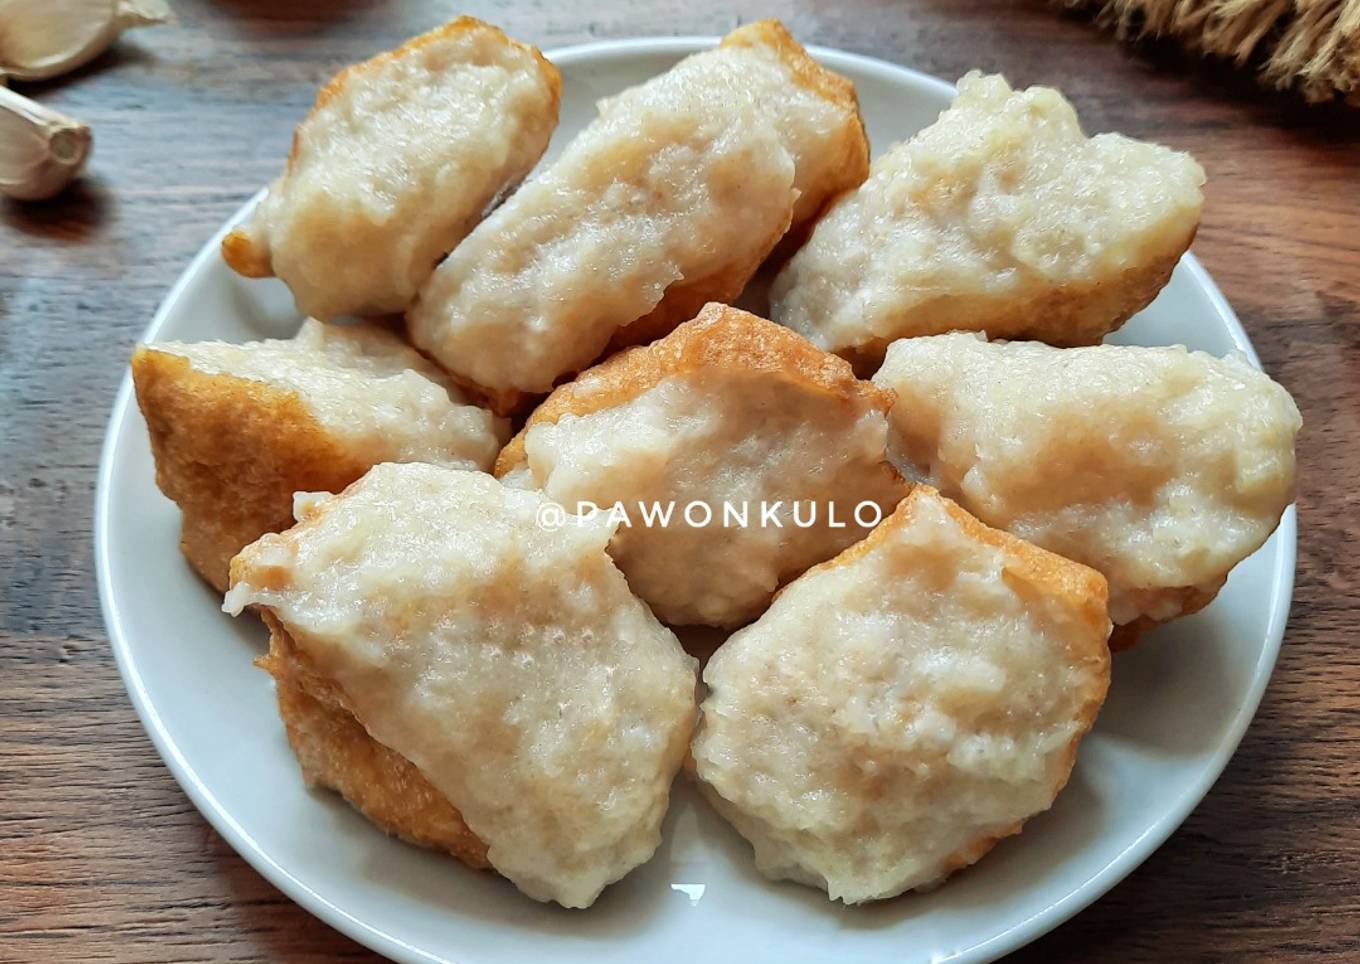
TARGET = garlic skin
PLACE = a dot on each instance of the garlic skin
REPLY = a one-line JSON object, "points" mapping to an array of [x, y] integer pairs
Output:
{"points": [[40, 39], [40, 149]]}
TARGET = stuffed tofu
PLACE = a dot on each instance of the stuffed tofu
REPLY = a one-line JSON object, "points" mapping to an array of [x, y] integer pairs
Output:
{"points": [[514, 703], [237, 429], [1160, 467], [671, 198], [1001, 217], [755, 454], [396, 163], [905, 705]]}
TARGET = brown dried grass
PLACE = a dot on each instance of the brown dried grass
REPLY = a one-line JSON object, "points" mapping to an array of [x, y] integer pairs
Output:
{"points": [[1312, 46]]}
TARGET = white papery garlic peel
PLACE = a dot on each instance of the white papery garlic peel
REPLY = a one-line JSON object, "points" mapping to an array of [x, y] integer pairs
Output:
{"points": [[40, 149], [45, 38]]}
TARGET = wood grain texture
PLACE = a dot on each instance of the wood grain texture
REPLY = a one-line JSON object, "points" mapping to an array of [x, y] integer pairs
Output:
{"points": [[102, 858]]}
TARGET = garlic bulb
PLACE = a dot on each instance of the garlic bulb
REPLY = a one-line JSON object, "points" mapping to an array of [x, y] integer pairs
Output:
{"points": [[44, 38], [40, 150]]}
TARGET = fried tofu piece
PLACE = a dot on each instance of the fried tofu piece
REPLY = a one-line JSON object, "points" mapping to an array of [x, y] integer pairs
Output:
{"points": [[1001, 217], [395, 164], [1160, 467], [779, 441], [904, 706], [336, 752], [237, 429], [501, 664], [671, 198]]}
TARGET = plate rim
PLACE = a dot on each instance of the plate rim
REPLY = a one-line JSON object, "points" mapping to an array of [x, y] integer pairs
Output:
{"points": [[1020, 933]]}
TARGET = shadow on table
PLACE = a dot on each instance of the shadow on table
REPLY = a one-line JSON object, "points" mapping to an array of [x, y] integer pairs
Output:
{"points": [[72, 217], [297, 10]]}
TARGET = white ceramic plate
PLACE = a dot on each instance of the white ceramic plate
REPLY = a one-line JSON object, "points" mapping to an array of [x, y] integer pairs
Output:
{"points": [[1178, 707]]}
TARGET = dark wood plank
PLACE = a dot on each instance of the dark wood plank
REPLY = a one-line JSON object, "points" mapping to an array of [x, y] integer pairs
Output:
{"points": [[102, 858]]}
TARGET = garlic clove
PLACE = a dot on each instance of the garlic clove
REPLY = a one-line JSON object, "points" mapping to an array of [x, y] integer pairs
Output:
{"points": [[44, 38], [40, 149]]}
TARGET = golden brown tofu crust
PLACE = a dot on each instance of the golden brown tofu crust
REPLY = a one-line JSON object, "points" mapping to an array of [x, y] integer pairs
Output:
{"points": [[246, 255], [1189, 599], [1072, 316], [230, 452], [719, 338], [336, 752]]}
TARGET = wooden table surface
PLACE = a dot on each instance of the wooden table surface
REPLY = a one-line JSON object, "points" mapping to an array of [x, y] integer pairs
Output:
{"points": [[101, 855]]}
